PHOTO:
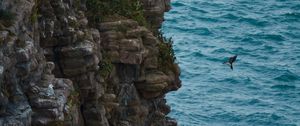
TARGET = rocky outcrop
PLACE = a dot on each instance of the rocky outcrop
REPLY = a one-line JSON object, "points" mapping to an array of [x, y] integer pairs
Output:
{"points": [[56, 69], [30, 93], [154, 12]]}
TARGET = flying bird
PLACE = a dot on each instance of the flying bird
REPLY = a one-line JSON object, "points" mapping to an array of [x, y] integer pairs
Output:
{"points": [[230, 61]]}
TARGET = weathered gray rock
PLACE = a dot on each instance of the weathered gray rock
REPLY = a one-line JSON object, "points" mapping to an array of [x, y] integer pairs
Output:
{"points": [[154, 11], [57, 69]]}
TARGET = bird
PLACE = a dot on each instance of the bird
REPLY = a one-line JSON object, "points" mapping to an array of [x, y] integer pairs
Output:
{"points": [[230, 61]]}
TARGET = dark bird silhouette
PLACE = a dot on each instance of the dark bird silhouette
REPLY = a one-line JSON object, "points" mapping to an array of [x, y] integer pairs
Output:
{"points": [[230, 61]]}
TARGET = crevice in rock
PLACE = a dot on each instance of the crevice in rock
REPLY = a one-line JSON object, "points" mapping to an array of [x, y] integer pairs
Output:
{"points": [[56, 51], [82, 114]]}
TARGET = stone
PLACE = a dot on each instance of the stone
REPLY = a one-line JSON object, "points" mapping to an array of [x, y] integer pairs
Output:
{"points": [[154, 10], [132, 45], [156, 77], [152, 87], [1, 71], [49, 67], [44, 103], [151, 95], [3, 103], [125, 24], [71, 63], [150, 40], [108, 97], [96, 35], [72, 72], [79, 50], [171, 121], [3, 36], [138, 32], [151, 63], [22, 56], [130, 57]]}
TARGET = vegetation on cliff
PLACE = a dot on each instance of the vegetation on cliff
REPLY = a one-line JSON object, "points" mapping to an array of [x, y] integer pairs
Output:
{"points": [[166, 58], [105, 65], [6, 17], [107, 10]]}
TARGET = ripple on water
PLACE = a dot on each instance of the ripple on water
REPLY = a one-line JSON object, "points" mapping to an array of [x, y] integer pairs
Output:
{"points": [[262, 118], [254, 22], [293, 15], [283, 87], [230, 16], [272, 37], [287, 76], [178, 4]]}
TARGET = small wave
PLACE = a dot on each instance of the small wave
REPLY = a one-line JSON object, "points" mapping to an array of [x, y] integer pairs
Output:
{"points": [[254, 22], [287, 77], [292, 15], [197, 54], [264, 118], [273, 37], [220, 50], [296, 7], [203, 31], [194, 30], [227, 117], [196, 9], [241, 51], [230, 81], [219, 90], [230, 16], [269, 49], [284, 87], [251, 40], [206, 18], [293, 35], [178, 4], [254, 101]]}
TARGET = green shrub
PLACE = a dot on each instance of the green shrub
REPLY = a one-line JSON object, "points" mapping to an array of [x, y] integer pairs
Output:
{"points": [[166, 58], [105, 65], [5, 90], [73, 99], [34, 12], [99, 10], [6, 17]]}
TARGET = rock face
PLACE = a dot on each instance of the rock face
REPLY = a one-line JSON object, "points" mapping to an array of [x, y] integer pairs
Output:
{"points": [[154, 12], [56, 69]]}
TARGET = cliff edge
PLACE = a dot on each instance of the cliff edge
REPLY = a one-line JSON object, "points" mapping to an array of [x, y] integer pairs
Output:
{"points": [[85, 63]]}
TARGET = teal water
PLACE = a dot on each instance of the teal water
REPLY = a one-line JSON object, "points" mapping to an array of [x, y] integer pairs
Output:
{"points": [[264, 87]]}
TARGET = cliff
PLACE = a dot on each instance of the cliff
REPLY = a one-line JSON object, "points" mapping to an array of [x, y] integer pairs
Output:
{"points": [[85, 63]]}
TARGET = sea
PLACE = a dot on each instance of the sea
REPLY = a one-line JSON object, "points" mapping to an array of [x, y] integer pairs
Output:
{"points": [[263, 89]]}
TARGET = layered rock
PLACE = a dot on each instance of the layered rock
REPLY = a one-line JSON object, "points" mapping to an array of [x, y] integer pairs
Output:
{"points": [[56, 69], [154, 12], [30, 93], [139, 83]]}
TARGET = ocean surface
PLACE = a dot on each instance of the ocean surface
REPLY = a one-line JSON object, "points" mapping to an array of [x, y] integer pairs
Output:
{"points": [[263, 89]]}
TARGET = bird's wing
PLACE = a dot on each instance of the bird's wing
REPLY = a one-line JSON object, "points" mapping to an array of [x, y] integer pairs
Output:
{"points": [[231, 66], [234, 58], [227, 63]]}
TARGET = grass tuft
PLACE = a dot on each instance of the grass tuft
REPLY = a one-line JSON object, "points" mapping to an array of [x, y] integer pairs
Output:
{"points": [[166, 58], [34, 12], [6, 17], [100, 10], [105, 65], [73, 99]]}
